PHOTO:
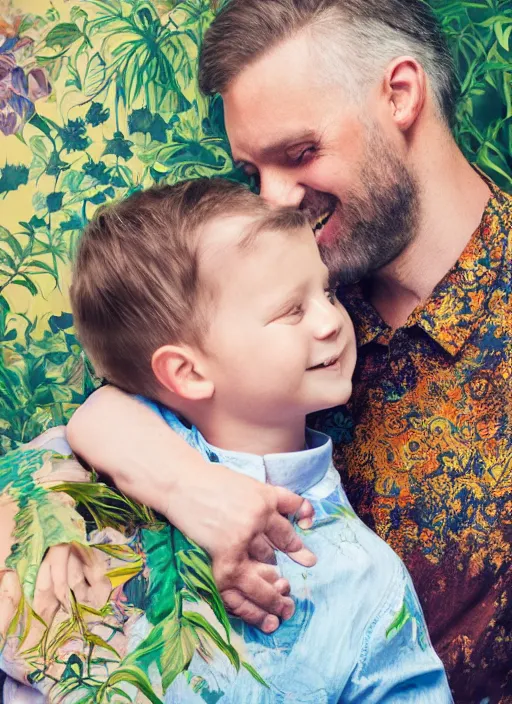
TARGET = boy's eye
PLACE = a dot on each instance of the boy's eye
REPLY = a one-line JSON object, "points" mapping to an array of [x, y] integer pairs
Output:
{"points": [[296, 313], [330, 294]]}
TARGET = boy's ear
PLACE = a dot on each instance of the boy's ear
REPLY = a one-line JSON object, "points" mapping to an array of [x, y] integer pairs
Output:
{"points": [[179, 370]]}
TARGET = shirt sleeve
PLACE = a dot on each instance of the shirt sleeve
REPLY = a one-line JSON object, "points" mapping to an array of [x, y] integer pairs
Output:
{"points": [[397, 661]]}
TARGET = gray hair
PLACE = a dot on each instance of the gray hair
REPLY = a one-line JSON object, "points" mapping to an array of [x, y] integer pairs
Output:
{"points": [[364, 35]]}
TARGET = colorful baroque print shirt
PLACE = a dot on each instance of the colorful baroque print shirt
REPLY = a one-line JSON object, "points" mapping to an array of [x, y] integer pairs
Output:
{"points": [[148, 628], [425, 453]]}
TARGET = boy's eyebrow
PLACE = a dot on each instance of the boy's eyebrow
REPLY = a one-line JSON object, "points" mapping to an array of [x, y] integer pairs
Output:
{"points": [[278, 308]]}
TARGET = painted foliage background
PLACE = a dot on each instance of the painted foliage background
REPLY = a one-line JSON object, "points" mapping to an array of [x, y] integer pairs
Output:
{"points": [[99, 97]]}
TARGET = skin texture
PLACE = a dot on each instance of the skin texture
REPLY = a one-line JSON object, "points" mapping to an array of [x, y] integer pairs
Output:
{"points": [[266, 106]]}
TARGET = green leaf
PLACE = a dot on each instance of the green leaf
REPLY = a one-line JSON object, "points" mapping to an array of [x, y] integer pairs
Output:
{"points": [[11, 241], [42, 522], [63, 35], [24, 281], [54, 201], [94, 75], [12, 177], [73, 180], [503, 35], [163, 573], [255, 674], [401, 618], [196, 572], [144, 121], [133, 676], [77, 13], [43, 266], [119, 146], [97, 114], [228, 650]]}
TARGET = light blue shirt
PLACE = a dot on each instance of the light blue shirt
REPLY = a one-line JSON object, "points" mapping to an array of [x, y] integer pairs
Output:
{"points": [[358, 633]]}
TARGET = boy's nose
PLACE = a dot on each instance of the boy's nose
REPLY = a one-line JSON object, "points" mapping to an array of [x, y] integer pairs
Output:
{"points": [[329, 320], [280, 191]]}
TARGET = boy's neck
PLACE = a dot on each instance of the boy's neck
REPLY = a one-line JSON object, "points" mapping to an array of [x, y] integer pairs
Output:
{"points": [[237, 435]]}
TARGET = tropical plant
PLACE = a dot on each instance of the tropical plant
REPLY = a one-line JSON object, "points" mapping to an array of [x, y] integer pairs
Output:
{"points": [[82, 649], [480, 36]]}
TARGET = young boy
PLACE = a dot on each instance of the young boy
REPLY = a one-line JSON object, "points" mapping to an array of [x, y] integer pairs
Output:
{"points": [[200, 297]]}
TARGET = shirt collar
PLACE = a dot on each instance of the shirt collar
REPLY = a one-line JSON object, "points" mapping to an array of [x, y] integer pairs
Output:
{"points": [[296, 471], [457, 303]]}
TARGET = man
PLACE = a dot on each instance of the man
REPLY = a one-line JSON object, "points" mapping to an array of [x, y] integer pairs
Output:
{"points": [[343, 107]]}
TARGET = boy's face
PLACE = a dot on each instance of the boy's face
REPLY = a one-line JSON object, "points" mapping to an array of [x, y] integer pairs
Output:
{"points": [[279, 344]]}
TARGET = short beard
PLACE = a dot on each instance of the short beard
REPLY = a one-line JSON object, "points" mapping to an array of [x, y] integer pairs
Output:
{"points": [[379, 221]]}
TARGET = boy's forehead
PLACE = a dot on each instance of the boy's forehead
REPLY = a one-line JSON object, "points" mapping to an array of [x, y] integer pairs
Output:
{"points": [[273, 258], [224, 232]]}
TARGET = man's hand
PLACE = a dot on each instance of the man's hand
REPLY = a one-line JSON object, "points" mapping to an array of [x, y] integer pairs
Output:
{"points": [[237, 520], [240, 522]]}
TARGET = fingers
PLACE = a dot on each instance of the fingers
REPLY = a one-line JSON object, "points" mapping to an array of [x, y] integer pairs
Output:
{"points": [[259, 584], [304, 516], [283, 536], [254, 585], [241, 607], [283, 586], [261, 550], [289, 503], [303, 557]]}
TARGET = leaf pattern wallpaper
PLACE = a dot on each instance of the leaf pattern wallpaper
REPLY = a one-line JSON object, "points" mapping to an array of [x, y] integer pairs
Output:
{"points": [[98, 98]]}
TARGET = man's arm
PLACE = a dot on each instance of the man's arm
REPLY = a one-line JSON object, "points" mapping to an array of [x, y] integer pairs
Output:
{"points": [[237, 520]]}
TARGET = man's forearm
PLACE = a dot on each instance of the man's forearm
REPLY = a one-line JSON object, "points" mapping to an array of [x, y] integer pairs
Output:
{"points": [[235, 518], [121, 437]]}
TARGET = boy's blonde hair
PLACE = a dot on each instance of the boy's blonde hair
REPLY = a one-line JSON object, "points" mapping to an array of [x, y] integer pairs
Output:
{"points": [[135, 281]]}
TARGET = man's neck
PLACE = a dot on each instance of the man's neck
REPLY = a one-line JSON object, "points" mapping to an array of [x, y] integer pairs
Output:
{"points": [[452, 199], [228, 432]]}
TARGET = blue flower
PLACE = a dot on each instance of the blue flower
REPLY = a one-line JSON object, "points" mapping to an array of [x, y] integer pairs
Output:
{"points": [[18, 90]]}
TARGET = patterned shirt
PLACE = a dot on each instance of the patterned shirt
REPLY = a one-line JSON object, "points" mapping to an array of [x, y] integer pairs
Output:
{"points": [[150, 628], [425, 452]]}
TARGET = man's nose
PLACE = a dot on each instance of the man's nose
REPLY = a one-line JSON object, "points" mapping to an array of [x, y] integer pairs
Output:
{"points": [[280, 191], [328, 320]]}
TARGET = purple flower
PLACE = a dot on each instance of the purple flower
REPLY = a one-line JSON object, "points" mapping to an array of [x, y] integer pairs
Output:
{"points": [[19, 89]]}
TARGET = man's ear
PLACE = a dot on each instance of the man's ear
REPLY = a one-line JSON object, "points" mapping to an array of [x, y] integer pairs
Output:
{"points": [[180, 370], [405, 89]]}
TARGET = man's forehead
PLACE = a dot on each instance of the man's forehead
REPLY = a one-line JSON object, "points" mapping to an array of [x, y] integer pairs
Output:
{"points": [[269, 102]]}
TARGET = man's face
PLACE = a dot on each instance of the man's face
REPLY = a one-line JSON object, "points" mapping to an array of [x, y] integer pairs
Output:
{"points": [[279, 345], [309, 146]]}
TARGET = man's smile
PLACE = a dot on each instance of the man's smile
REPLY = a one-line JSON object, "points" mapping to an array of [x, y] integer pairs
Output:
{"points": [[320, 207], [321, 221]]}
